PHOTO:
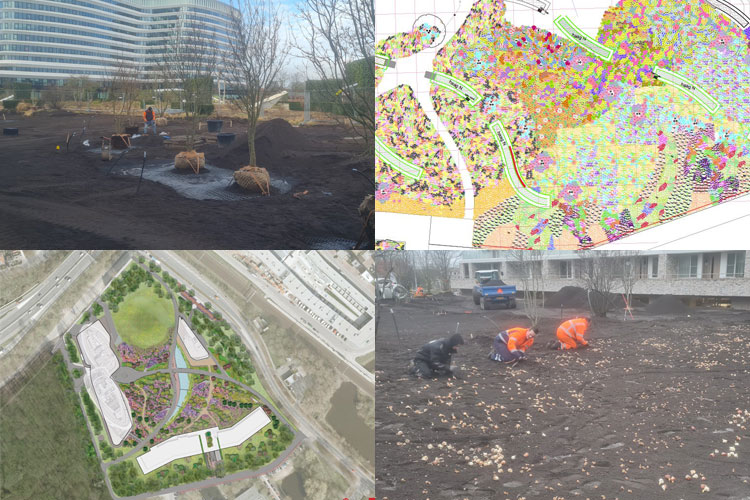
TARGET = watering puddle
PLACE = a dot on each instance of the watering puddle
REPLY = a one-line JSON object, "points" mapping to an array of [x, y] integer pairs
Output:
{"points": [[210, 184]]}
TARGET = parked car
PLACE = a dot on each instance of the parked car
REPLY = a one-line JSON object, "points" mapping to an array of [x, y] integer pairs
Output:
{"points": [[491, 290]]}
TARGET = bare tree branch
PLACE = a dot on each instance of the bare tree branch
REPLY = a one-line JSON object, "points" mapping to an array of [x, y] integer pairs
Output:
{"points": [[254, 63], [190, 64], [528, 264], [338, 38], [123, 89], [600, 271]]}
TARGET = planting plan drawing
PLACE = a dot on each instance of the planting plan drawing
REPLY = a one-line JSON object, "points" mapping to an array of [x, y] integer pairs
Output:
{"points": [[557, 125]]}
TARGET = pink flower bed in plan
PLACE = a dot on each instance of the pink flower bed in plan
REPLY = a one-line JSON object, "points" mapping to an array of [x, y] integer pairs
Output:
{"points": [[142, 359]]}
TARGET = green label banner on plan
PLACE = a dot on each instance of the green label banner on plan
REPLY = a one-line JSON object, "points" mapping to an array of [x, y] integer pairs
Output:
{"points": [[453, 84], [511, 169], [383, 61], [577, 36], [390, 157], [689, 88]]}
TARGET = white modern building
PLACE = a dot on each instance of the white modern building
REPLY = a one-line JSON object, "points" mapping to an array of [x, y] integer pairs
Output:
{"points": [[194, 347], [712, 274], [196, 442], [48, 41], [320, 289], [101, 362]]}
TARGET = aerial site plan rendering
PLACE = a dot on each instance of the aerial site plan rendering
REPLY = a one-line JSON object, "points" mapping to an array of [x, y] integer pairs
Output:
{"points": [[187, 374], [559, 125]]}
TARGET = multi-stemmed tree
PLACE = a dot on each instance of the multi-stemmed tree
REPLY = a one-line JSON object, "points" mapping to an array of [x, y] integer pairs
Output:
{"points": [[190, 64], [254, 62], [338, 38], [122, 82]]}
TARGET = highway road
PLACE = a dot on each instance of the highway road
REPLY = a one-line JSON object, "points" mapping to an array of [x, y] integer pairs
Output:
{"points": [[18, 317], [264, 365], [321, 335]]}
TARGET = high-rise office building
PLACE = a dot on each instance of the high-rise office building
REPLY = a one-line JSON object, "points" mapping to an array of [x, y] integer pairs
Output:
{"points": [[48, 41]]}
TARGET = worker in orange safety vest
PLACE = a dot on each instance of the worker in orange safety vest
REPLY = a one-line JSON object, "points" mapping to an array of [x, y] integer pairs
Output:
{"points": [[149, 120], [511, 344], [570, 334]]}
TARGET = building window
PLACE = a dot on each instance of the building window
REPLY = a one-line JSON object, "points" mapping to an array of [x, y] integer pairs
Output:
{"points": [[687, 266], [736, 265], [566, 269], [655, 266]]}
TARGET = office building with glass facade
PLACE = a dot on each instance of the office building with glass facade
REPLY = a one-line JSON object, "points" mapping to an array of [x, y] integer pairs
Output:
{"points": [[49, 41]]}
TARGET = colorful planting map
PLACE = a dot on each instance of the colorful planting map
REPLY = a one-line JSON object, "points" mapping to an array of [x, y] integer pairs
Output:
{"points": [[551, 125]]}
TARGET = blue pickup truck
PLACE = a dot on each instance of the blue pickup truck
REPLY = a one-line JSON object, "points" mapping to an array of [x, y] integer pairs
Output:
{"points": [[490, 289]]}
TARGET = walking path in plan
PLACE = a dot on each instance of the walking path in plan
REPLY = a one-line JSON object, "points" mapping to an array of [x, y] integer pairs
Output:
{"points": [[421, 62], [732, 12], [541, 6]]}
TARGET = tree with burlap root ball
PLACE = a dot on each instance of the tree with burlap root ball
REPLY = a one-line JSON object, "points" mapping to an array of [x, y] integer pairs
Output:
{"points": [[253, 67], [189, 63]]}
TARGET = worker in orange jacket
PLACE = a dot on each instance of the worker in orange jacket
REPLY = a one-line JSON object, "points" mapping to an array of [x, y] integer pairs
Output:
{"points": [[149, 120], [511, 345], [570, 334]]}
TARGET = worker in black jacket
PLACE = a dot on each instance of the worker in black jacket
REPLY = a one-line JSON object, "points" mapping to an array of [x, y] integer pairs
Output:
{"points": [[434, 358]]}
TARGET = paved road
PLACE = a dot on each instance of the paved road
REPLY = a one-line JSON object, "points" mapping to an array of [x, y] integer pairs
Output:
{"points": [[234, 274], [303, 320], [17, 320], [264, 365]]}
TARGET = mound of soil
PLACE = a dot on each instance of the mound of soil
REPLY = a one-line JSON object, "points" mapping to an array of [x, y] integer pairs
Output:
{"points": [[667, 304], [281, 134], [274, 139], [567, 296]]}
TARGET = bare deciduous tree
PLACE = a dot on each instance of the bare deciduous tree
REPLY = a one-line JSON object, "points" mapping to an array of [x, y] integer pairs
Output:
{"points": [[255, 60], [339, 39], [599, 274], [444, 261], [123, 90], [630, 275], [80, 89], [189, 62], [528, 265]]}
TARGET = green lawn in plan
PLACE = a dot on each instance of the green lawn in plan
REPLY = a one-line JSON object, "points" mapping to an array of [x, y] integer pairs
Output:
{"points": [[45, 446], [144, 320]]}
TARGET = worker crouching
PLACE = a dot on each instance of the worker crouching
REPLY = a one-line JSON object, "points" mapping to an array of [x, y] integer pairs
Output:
{"points": [[434, 358], [511, 345], [570, 334]]}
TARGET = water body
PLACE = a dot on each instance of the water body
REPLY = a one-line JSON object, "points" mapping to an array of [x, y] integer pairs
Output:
{"points": [[293, 486], [343, 417], [184, 381]]}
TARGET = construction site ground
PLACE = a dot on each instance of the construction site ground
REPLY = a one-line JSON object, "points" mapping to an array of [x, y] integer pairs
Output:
{"points": [[654, 398], [52, 198]]}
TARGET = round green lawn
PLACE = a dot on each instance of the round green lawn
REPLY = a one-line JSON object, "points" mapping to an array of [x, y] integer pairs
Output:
{"points": [[144, 320]]}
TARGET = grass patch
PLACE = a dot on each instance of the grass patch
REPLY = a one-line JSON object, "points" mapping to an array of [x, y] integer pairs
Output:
{"points": [[144, 319], [46, 448], [367, 361]]}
